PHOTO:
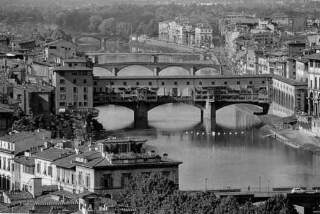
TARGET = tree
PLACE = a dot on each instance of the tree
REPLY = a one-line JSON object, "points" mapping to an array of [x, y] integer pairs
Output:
{"points": [[107, 26], [277, 204], [228, 205], [94, 22]]}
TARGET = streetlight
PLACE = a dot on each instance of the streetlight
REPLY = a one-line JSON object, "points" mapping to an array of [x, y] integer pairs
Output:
{"points": [[259, 183], [205, 183]]}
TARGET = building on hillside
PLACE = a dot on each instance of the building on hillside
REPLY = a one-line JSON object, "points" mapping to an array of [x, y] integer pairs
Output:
{"points": [[56, 51], [73, 82], [296, 48]]}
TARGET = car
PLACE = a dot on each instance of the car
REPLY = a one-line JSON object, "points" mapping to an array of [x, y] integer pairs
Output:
{"points": [[297, 190]]}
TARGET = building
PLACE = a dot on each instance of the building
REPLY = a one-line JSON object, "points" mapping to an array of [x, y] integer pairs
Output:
{"points": [[40, 73], [103, 167], [34, 98], [314, 84], [290, 95], [302, 69], [73, 82], [6, 118], [56, 51], [296, 48], [203, 35]]}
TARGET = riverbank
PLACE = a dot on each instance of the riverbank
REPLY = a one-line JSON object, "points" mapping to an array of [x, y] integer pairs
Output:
{"points": [[293, 137]]}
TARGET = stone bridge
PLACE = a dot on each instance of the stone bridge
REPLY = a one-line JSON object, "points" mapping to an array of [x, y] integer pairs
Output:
{"points": [[208, 93]]}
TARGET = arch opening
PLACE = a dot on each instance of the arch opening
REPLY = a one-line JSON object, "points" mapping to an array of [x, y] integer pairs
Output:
{"points": [[207, 71], [135, 70], [174, 71]]}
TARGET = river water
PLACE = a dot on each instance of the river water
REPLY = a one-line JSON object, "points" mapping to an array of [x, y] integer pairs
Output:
{"points": [[237, 155]]}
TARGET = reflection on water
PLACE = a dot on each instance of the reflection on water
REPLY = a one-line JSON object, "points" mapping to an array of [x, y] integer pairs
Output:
{"points": [[236, 157]]}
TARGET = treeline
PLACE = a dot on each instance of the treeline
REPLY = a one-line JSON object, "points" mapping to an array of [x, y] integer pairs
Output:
{"points": [[157, 194]]}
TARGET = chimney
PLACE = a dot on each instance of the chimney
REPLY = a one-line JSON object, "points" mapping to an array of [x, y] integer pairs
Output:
{"points": [[165, 155], [36, 187]]}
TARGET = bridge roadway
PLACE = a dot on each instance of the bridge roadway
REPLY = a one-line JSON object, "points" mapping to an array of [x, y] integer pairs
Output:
{"points": [[209, 93]]}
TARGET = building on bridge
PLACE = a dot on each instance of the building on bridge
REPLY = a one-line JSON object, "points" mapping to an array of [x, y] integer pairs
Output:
{"points": [[73, 83]]}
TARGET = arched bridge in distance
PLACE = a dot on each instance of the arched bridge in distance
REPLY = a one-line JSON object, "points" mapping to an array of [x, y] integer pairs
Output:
{"points": [[208, 93]]}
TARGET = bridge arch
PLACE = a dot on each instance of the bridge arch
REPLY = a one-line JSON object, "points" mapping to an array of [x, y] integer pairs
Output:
{"points": [[139, 70], [180, 70], [207, 71]]}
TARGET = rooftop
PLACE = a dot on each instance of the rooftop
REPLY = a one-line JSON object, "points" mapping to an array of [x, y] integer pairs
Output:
{"points": [[24, 160], [290, 81], [315, 56], [26, 140], [52, 154], [83, 60], [34, 88], [76, 68], [5, 108]]}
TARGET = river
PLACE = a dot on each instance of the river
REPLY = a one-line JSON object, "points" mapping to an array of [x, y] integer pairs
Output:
{"points": [[239, 157]]}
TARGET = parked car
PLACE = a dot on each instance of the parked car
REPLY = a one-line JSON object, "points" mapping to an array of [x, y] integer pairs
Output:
{"points": [[297, 190]]}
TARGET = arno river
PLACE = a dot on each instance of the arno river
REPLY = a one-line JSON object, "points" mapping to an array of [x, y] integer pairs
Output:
{"points": [[239, 157]]}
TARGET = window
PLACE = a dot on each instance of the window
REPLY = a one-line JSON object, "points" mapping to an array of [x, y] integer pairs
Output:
{"points": [[125, 179], [85, 89], [85, 97], [137, 83], [80, 181], [175, 83], [200, 83], [188, 83], [108, 181], [162, 83], [75, 90], [250, 82], [62, 89], [80, 103], [85, 104], [238, 82], [212, 83], [62, 81], [74, 73], [263, 82], [4, 163], [150, 83], [72, 179], [85, 81], [62, 97], [62, 104], [50, 171], [226, 83], [124, 83], [38, 168], [95, 83], [87, 180], [166, 174], [112, 83], [74, 81]]}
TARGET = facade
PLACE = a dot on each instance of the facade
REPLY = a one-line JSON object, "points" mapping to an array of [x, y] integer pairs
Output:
{"points": [[40, 73], [302, 70], [314, 84], [290, 94], [34, 98], [73, 83], [203, 35]]}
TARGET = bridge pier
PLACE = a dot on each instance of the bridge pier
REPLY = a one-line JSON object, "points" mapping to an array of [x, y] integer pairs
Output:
{"points": [[141, 115], [193, 71], [208, 114], [115, 71], [156, 71]]}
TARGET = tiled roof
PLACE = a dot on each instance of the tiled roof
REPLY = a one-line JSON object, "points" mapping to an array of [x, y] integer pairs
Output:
{"points": [[27, 161], [17, 196], [26, 140], [53, 154], [66, 162]]}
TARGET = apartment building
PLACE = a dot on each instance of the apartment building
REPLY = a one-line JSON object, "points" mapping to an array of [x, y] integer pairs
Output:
{"points": [[73, 82]]}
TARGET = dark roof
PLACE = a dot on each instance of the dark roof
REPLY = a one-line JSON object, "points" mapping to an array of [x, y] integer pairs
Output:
{"points": [[27, 161], [26, 140], [42, 63], [315, 56], [75, 60], [53, 154], [18, 196], [34, 88], [76, 68], [66, 162], [290, 81], [5, 108]]}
